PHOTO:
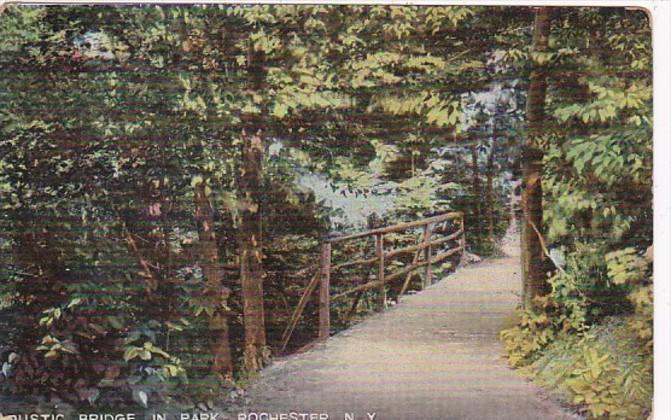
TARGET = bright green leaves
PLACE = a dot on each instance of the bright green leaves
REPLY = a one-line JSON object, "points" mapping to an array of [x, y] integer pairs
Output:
{"points": [[144, 352], [604, 370], [608, 157], [196, 180], [425, 63], [345, 171], [531, 335], [436, 111], [444, 114], [280, 110], [625, 266], [591, 383], [50, 315], [384, 154], [512, 55], [402, 105], [19, 27], [418, 196], [293, 99], [264, 42], [610, 101], [635, 50], [376, 68], [191, 102], [440, 18], [541, 57]]}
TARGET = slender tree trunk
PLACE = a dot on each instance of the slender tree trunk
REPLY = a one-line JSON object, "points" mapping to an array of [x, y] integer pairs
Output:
{"points": [[535, 283], [251, 190], [477, 190], [490, 194], [251, 267], [215, 293]]}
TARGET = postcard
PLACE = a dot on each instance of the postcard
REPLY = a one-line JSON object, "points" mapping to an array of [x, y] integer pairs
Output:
{"points": [[319, 211]]}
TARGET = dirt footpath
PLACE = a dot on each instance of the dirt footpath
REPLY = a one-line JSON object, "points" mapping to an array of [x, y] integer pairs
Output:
{"points": [[436, 355]]}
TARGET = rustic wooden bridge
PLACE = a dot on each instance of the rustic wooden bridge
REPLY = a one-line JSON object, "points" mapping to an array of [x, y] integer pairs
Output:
{"points": [[432, 247], [434, 356]]}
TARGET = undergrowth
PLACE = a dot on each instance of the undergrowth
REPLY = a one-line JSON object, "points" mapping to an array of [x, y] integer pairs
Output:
{"points": [[603, 364], [606, 370]]}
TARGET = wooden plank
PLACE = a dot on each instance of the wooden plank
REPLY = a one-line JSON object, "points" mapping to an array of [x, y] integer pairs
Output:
{"points": [[324, 292], [368, 286], [365, 261], [421, 246], [352, 310], [452, 235], [463, 237], [399, 251], [379, 252], [376, 283], [434, 260], [406, 270], [398, 227], [438, 258], [406, 283], [298, 311]]}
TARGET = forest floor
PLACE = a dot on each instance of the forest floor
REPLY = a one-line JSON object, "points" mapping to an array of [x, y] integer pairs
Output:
{"points": [[435, 355]]}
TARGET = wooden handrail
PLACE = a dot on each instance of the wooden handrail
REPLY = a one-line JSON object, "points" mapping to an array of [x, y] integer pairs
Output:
{"points": [[396, 252], [425, 247], [377, 283], [399, 226]]}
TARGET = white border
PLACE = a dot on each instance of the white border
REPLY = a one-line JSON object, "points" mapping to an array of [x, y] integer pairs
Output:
{"points": [[660, 14]]}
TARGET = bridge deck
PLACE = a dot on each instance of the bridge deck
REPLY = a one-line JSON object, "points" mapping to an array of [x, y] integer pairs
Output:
{"points": [[436, 355]]}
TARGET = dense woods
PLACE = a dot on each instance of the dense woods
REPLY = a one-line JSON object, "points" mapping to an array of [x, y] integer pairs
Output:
{"points": [[167, 175]]}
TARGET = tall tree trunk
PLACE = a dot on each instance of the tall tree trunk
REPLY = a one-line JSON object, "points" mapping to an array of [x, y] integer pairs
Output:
{"points": [[215, 293], [251, 250], [490, 193], [533, 272], [477, 191]]}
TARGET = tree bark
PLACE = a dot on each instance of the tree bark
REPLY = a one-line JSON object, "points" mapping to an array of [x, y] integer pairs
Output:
{"points": [[534, 279], [251, 190], [215, 293], [251, 266]]}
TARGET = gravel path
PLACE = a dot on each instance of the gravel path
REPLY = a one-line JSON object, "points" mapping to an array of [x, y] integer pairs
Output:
{"points": [[436, 355]]}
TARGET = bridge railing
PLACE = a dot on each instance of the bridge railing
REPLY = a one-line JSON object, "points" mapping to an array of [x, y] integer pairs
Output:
{"points": [[435, 233]]}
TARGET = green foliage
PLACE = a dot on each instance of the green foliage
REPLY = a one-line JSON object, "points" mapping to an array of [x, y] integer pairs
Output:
{"points": [[98, 231], [597, 208], [606, 370], [533, 332], [626, 266], [418, 196]]}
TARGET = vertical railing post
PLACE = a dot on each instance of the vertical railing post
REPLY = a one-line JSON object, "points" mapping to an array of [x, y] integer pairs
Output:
{"points": [[379, 252], [428, 273], [463, 236], [324, 292]]}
